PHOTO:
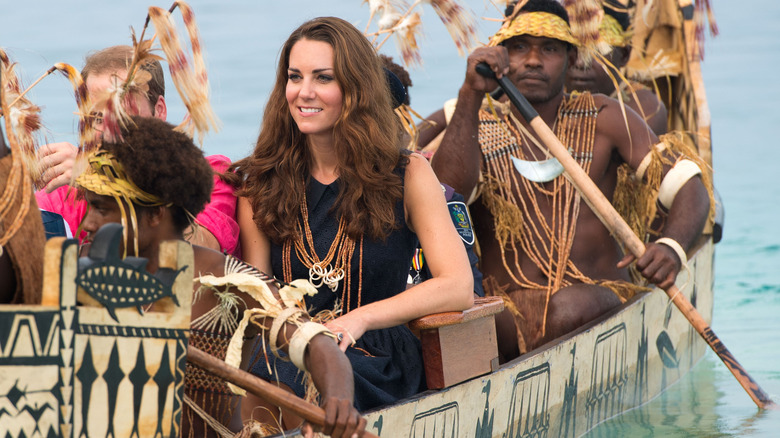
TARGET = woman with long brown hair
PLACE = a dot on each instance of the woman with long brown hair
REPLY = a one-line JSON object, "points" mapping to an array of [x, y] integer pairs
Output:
{"points": [[329, 195]]}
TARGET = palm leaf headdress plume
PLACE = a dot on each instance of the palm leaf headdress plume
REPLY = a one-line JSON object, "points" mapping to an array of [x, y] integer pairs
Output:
{"points": [[88, 135], [703, 7], [21, 120], [397, 17], [585, 19], [407, 27], [191, 80]]}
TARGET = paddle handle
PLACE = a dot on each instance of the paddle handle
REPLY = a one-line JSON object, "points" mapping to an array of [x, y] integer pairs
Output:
{"points": [[620, 229], [259, 387]]}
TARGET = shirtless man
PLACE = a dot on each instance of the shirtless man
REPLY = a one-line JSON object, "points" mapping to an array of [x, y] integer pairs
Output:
{"points": [[594, 77], [540, 244], [217, 228], [163, 198]]}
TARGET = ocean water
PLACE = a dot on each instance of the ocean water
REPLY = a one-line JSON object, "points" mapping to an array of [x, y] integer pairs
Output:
{"points": [[242, 40]]}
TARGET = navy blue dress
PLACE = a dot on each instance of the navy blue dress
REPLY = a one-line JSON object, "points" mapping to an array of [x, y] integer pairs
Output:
{"points": [[387, 363]]}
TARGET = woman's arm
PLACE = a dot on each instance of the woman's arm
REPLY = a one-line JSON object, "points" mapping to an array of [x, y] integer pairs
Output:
{"points": [[451, 287], [255, 246]]}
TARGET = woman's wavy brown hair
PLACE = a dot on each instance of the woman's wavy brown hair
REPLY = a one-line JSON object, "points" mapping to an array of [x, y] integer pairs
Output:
{"points": [[366, 137]]}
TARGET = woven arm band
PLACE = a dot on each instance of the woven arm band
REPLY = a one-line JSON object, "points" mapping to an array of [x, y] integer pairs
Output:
{"points": [[300, 340], [671, 243], [287, 314], [677, 176], [645, 163]]}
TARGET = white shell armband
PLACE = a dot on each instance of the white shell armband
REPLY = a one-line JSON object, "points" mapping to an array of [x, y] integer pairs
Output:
{"points": [[671, 243], [677, 176], [300, 340]]}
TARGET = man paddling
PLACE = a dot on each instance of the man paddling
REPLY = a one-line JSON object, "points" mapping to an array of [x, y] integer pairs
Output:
{"points": [[541, 246], [217, 227]]}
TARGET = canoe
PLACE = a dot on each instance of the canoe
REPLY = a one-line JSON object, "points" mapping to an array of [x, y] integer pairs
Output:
{"points": [[100, 369], [570, 385], [611, 365]]}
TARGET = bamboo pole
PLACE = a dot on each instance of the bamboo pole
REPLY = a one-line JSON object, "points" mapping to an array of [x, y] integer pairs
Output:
{"points": [[620, 229]]}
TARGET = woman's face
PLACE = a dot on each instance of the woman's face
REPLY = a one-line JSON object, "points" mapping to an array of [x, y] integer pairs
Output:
{"points": [[313, 95]]}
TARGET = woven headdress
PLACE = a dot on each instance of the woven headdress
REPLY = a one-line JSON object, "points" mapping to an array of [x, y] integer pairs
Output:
{"points": [[538, 24], [612, 33], [106, 176]]}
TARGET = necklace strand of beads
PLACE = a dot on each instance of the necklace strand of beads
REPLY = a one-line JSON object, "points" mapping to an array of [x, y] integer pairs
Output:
{"points": [[341, 249], [320, 271]]}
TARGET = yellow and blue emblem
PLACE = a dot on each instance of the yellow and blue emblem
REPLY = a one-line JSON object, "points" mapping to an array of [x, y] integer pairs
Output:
{"points": [[462, 221]]}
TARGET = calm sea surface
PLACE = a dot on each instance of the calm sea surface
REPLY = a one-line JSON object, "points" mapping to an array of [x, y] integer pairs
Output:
{"points": [[242, 40]]}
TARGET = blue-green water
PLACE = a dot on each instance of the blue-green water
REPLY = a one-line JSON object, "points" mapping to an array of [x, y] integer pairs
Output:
{"points": [[242, 40]]}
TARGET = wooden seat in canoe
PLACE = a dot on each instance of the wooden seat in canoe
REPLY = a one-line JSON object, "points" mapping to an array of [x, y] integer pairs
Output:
{"points": [[459, 345]]}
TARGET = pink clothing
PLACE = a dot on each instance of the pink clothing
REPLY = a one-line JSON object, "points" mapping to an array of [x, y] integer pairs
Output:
{"points": [[219, 215]]}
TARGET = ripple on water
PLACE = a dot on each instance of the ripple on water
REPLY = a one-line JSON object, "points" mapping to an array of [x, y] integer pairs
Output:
{"points": [[771, 249]]}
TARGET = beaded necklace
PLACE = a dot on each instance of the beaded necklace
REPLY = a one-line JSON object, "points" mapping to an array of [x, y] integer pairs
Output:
{"points": [[321, 271], [514, 201]]}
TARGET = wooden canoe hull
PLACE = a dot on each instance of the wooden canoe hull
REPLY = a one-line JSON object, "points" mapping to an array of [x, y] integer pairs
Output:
{"points": [[70, 370], [570, 385]]}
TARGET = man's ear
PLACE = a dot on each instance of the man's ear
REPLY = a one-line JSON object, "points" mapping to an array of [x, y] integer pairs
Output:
{"points": [[161, 109], [154, 215]]}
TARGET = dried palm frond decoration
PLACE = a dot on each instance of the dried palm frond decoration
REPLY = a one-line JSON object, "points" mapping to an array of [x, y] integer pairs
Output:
{"points": [[190, 78], [397, 17], [112, 108], [22, 120], [703, 8], [585, 17]]}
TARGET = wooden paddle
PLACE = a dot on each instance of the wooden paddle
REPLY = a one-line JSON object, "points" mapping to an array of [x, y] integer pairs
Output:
{"points": [[259, 387], [620, 229]]}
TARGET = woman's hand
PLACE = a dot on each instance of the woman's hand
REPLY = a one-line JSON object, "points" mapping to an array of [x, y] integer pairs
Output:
{"points": [[349, 328], [341, 420]]}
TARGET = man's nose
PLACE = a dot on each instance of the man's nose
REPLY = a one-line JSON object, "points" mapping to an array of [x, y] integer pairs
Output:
{"points": [[579, 64], [89, 224], [534, 58]]}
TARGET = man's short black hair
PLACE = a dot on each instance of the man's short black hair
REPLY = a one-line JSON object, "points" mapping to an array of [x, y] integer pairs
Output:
{"points": [[550, 6], [618, 12]]}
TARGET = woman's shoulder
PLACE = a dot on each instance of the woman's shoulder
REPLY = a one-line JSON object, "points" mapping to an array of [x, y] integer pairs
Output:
{"points": [[416, 165]]}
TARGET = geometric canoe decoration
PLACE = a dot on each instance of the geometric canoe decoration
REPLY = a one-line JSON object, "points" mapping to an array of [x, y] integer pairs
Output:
{"points": [[114, 282], [69, 368]]}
